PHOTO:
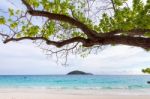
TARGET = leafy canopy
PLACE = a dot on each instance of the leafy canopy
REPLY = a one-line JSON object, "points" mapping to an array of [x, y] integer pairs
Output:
{"points": [[124, 18]]}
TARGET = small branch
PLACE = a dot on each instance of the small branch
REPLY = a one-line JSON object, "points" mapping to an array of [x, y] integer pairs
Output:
{"points": [[66, 49], [113, 4], [4, 35], [49, 42], [27, 5]]}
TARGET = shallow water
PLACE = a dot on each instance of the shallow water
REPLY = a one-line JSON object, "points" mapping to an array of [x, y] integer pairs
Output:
{"points": [[92, 82]]}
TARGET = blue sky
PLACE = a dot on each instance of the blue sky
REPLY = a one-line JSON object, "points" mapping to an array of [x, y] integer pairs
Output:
{"points": [[25, 58]]}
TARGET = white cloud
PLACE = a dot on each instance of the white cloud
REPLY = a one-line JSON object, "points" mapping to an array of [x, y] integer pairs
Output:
{"points": [[26, 58], [115, 60]]}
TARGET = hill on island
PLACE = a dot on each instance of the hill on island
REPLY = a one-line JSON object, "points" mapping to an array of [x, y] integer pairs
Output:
{"points": [[77, 72]]}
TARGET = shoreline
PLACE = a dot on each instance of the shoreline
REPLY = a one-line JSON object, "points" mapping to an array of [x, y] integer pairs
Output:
{"points": [[49, 94], [74, 87], [101, 92]]}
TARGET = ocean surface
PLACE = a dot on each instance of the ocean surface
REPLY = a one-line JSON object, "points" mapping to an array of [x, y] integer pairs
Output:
{"points": [[92, 82]]}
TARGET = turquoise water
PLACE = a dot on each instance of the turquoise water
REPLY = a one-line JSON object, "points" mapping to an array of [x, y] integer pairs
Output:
{"points": [[76, 82]]}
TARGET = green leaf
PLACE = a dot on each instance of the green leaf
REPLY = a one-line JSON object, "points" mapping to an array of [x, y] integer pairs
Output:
{"points": [[2, 20], [14, 25], [119, 2], [49, 29], [9, 20], [11, 12], [31, 31], [34, 3], [18, 35], [147, 34]]}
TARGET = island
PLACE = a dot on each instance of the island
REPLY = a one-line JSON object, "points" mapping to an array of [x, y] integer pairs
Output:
{"points": [[77, 72], [148, 82]]}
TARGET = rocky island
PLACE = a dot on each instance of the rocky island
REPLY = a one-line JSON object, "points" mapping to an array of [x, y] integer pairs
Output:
{"points": [[77, 72], [148, 82]]}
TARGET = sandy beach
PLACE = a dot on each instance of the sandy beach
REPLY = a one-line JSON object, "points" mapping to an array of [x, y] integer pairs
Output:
{"points": [[17, 95], [48, 94], [24, 95]]}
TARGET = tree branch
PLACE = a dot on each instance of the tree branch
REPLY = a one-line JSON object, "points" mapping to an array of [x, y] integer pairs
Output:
{"points": [[117, 39], [4, 35], [59, 17], [125, 40], [113, 4], [49, 42], [27, 5]]}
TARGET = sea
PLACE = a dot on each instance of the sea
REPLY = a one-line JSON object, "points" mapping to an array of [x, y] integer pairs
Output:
{"points": [[78, 82]]}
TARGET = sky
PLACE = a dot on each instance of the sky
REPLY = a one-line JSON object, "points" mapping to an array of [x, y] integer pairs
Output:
{"points": [[25, 58]]}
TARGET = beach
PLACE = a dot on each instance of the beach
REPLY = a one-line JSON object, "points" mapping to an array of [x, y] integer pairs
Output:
{"points": [[74, 49], [49, 94], [74, 87]]}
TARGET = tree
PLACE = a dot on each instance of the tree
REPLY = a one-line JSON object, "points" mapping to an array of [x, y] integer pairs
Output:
{"points": [[79, 26], [147, 70]]}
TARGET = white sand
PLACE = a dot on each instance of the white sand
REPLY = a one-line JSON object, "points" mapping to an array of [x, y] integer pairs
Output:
{"points": [[48, 94]]}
